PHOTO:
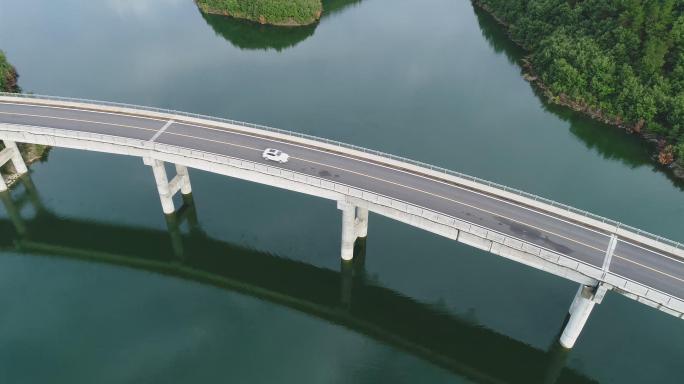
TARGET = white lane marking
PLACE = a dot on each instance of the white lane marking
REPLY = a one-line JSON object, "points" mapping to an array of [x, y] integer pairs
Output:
{"points": [[79, 120], [650, 268], [85, 110], [649, 288], [450, 184], [609, 255], [160, 131], [673, 258], [397, 184]]}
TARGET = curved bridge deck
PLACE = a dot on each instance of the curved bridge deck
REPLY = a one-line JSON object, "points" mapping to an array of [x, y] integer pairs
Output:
{"points": [[567, 242]]}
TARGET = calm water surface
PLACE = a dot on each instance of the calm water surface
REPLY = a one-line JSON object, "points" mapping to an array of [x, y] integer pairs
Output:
{"points": [[98, 289]]}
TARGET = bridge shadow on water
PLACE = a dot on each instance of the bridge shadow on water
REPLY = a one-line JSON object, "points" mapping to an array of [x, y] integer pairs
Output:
{"points": [[343, 297], [610, 142], [249, 35]]}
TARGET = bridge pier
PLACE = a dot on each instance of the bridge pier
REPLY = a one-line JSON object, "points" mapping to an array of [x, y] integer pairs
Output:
{"points": [[580, 309], [11, 153], [354, 225], [167, 189]]}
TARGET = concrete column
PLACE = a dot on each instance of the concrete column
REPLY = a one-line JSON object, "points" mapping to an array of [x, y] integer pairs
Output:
{"points": [[361, 222], [182, 173], [17, 160], [580, 309], [348, 230], [575, 300], [354, 226], [162, 184], [167, 189], [11, 153]]}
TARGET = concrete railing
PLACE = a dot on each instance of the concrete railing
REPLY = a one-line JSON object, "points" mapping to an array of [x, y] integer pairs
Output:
{"points": [[464, 231]]}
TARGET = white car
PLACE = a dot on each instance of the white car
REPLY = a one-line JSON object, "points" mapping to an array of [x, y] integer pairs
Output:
{"points": [[275, 155]]}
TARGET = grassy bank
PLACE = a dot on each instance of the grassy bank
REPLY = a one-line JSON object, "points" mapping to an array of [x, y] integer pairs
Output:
{"points": [[621, 62], [273, 12]]}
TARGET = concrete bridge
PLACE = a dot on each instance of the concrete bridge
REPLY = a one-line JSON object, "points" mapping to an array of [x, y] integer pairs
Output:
{"points": [[599, 254], [346, 297]]}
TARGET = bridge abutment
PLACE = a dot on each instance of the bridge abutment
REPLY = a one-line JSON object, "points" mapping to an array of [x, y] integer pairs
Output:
{"points": [[580, 309], [167, 189], [11, 153], [354, 225]]}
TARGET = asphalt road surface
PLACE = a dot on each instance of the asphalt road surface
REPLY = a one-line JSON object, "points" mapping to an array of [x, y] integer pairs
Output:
{"points": [[634, 261]]}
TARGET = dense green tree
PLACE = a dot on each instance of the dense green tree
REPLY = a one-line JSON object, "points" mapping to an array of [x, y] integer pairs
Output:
{"points": [[8, 75], [276, 12], [623, 58]]}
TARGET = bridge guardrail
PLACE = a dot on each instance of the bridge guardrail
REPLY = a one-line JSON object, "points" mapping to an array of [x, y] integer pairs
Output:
{"points": [[568, 208], [654, 297]]}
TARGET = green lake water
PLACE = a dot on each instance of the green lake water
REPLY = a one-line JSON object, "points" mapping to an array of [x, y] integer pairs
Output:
{"points": [[99, 289]]}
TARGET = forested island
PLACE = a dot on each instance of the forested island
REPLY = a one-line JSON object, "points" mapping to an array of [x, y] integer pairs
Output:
{"points": [[30, 152], [273, 12], [619, 61]]}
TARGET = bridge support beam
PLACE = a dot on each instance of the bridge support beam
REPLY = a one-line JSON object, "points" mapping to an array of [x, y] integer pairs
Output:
{"points": [[354, 225], [11, 153], [580, 309], [167, 189], [361, 222]]}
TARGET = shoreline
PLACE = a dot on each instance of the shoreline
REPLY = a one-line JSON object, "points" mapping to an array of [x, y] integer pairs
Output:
{"points": [[32, 153], [290, 23], [664, 150]]}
